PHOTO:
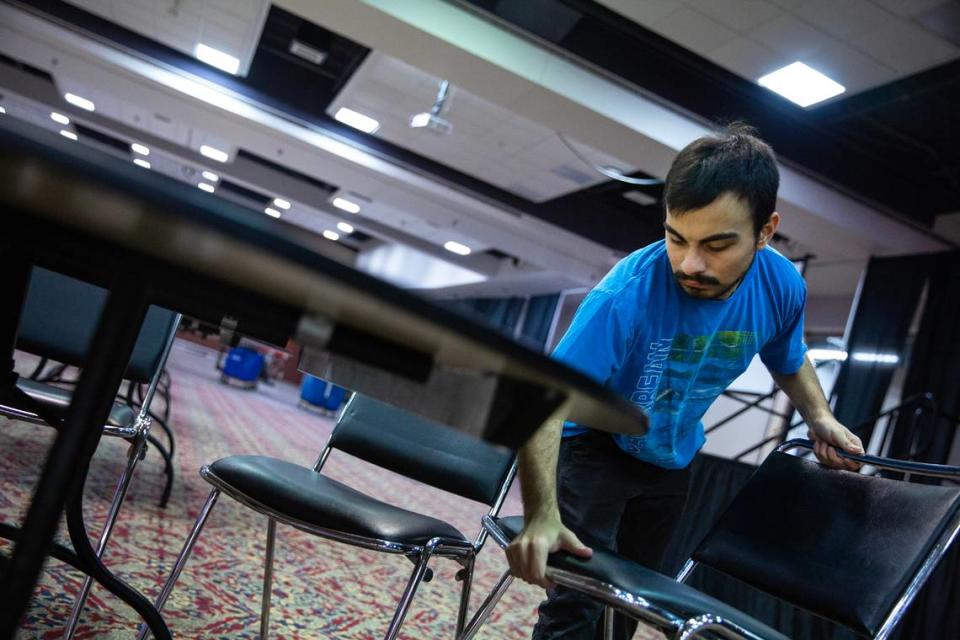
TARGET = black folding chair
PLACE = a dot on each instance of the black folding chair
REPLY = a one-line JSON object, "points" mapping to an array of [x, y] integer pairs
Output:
{"points": [[312, 502], [849, 547], [59, 317]]}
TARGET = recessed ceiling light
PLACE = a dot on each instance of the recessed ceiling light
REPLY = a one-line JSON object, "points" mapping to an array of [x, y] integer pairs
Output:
{"points": [[356, 120], [217, 58], [203, 186], [280, 202], [210, 175], [331, 235], [801, 84], [213, 153], [69, 135], [59, 118], [347, 205], [140, 162], [456, 247], [273, 213], [77, 101], [346, 227], [142, 149]]}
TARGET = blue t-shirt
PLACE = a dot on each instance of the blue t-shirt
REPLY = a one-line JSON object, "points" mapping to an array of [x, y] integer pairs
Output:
{"points": [[671, 354]]}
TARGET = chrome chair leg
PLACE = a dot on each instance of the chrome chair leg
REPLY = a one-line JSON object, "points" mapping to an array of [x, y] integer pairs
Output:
{"points": [[267, 578], [182, 558], [133, 456], [415, 578], [608, 617], [486, 608], [465, 595]]}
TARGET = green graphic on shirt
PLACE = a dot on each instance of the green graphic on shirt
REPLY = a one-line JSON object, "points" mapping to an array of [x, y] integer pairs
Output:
{"points": [[699, 368]]}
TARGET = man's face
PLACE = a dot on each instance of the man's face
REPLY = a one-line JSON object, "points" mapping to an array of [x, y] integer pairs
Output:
{"points": [[711, 248]]}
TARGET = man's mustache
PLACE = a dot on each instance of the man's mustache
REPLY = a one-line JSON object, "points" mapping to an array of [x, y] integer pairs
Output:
{"points": [[682, 277]]}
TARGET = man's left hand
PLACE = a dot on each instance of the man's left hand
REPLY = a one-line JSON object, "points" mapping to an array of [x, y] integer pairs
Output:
{"points": [[829, 435]]}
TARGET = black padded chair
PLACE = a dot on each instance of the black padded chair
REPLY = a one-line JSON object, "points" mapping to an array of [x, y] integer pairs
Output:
{"points": [[58, 320], [849, 547], [310, 501]]}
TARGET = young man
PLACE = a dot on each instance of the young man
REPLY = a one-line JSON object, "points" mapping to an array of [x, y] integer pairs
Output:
{"points": [[669, 328]]}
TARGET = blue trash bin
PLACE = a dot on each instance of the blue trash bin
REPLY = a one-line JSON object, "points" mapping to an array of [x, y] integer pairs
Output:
{"points": [[243, 366]]}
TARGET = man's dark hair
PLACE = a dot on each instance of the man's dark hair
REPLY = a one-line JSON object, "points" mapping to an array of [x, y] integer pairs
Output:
{"points": [[734, 161]]}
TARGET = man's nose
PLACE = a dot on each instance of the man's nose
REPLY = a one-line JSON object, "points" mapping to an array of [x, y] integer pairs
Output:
{"points": [[693, 263]]}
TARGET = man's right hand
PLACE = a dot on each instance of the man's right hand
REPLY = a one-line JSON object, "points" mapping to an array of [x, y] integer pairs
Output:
{"points": [[528, 552]]}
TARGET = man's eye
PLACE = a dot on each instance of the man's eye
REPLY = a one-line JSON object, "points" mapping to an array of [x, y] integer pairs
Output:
{"points": [[717, 248], [675, 240]]}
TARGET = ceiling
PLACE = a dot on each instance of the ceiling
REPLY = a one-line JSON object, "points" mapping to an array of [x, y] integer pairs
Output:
{"points": [[627, 84]]}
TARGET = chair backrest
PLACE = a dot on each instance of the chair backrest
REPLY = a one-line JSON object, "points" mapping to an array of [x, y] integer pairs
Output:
{"points": [[422, 450], [60, 315], [842, 545]]}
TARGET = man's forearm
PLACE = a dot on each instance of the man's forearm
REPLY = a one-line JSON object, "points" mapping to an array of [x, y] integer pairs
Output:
{"points": [[804, 390], [537, 465]]}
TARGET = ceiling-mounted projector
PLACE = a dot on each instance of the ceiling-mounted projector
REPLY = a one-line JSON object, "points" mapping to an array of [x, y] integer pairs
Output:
{"points": [[431, 119]]}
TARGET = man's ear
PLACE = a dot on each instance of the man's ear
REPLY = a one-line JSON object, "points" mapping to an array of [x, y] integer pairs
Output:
{"points": [[768, 230]]}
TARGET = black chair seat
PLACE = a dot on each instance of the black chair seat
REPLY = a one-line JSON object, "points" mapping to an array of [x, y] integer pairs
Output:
{"points": [[58, 399], [661, 591], [303, 494]]}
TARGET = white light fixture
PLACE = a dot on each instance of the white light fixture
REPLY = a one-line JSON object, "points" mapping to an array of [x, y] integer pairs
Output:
{"points": [[880, 358], [281, 203], [2, 111], [823, 355], [420, 120], [77, 101], [213, 153], [59, 118], [217, 58], [141, 149], [331, 235], [210, 175], [273, 213], [346, 227], [356, 120], [69, 135], [801, 84], [140, 162], [203, 186], [347, 205], [457, 248]]}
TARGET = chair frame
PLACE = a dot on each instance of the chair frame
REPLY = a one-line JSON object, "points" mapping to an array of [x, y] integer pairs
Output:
{"points": [[464, 553], [681, 628], [138, 434]]}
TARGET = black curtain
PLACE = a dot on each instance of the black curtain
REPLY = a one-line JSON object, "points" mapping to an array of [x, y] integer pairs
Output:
{"points": [[934, 615], [887, 302], [935, 368]]}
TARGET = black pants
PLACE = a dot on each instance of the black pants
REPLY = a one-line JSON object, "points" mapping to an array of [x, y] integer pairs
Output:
{"points": [[614, 501]]}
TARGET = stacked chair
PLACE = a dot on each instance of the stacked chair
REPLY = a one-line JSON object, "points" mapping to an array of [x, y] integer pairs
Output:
{"points": [[58, 320], [852, 548], [305, 498]]}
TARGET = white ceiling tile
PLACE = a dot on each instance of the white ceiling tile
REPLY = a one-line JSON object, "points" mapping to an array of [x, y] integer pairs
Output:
{"points": [[845, 19], [905, 47], [740, 15], [791, 37], [854, 70], [908, 8], [693, 30], [749, 59], [646, 12]]}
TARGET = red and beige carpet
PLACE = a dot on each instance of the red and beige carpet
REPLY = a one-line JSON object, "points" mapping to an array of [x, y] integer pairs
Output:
{"points": [[322, 589]]}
